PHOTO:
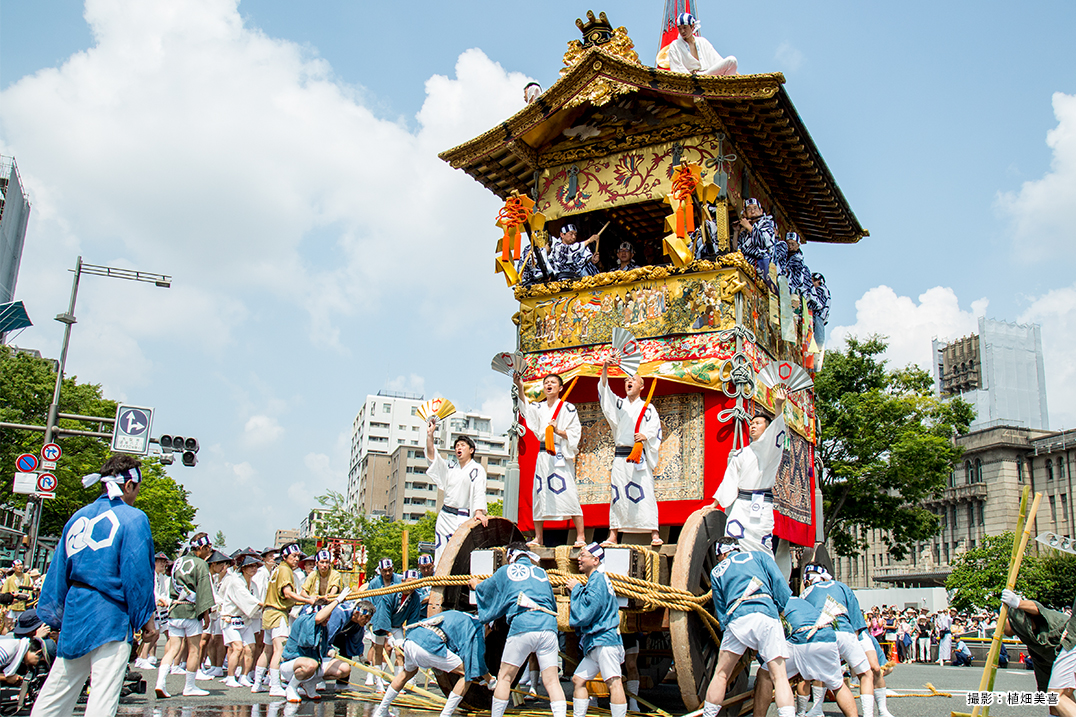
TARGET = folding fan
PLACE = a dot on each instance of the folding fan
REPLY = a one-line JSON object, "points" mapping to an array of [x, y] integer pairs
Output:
{"points": [[830, 610], [439, 408], [528, 603], [792, 376], [507, 363], [630, 354]]}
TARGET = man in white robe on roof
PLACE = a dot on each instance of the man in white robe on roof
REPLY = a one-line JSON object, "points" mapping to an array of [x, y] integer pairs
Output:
{"points": [[746, 491], [464, 484], [634, 507], [692, 54]]}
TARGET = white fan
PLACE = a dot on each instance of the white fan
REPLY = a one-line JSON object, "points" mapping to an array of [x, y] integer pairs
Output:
{"points": [[830, 610], [630, 354], [525, 602], [507, 363], [793, 377]]}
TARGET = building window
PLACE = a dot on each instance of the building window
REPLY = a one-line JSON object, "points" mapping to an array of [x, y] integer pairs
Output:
{"points": [[1020, 470], [953, 524], [978, 470], [1053, 510], [967, 472], [1049, 469], [1064, 508], [386, 408], [1060, 468], [414, 410], [971, 518], [982, 513]]}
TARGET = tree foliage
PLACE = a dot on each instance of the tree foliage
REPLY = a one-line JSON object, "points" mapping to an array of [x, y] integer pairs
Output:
{"points": [[26, 385], [886, 445], [979, 575], [382, 537]]}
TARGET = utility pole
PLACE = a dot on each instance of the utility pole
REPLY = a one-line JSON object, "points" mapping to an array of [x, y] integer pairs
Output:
{"points": [[68, 319]]}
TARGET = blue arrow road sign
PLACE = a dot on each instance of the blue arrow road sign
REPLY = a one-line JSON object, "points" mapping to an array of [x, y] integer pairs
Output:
{"points": [[132, 430]]}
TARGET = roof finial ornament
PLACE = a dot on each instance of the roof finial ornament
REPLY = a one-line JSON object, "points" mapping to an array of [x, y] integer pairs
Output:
{"points": [[596, 31]]}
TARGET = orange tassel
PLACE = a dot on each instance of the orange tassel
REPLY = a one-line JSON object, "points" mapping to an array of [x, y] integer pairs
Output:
{"points": [[549, 446], [636, 454]]}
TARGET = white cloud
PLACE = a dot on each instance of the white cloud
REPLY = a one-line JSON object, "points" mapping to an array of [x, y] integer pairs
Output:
{"points": [[1043, 212], [323, 473], [262, 430], [498, 406], [788, 57], [1056, 312], [243, 471], [910, 325], [407, 384]]}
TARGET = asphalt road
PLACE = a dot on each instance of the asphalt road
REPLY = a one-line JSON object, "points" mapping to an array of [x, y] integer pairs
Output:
{"points": [[908, 681]]}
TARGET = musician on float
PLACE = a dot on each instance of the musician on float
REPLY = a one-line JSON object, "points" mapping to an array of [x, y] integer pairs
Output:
{"points": [[556, 424], [746, 491], [634, 507], [571, 258]]}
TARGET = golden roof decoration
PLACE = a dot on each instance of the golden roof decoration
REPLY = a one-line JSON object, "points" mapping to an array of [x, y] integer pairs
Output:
{"points": [[598, 33]]}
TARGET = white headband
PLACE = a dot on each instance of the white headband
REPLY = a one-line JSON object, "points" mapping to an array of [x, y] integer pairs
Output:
{"points": [[514, 555], [723, 548], [113, 484]]}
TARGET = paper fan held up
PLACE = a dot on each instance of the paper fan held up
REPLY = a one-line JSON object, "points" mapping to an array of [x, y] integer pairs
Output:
{"points": [[786, 373], [625, 344], [436, 408], [507, 363]]}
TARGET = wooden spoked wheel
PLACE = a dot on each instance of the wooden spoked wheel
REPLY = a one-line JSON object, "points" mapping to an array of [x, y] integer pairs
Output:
{"points": [[694, 651], [456, 560]]}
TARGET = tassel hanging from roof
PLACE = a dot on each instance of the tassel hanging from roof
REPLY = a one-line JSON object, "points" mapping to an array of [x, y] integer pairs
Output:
{"points": [[687, 185], [514, 217]]}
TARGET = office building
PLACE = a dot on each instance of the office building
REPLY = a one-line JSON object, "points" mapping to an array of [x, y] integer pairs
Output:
{"points": [[14, 215], [999, 371], [312, 524], [385, 421], [285, 536]]}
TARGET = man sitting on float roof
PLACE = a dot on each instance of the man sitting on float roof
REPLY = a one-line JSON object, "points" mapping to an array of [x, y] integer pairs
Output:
{"points": [[571, 258], [693, 54]]}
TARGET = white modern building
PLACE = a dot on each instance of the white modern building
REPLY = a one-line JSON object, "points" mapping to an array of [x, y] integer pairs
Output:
{"points": [[385, 421], [999, 371]]}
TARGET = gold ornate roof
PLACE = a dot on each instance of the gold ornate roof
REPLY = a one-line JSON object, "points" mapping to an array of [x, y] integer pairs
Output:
{"points": [[605, 103]]}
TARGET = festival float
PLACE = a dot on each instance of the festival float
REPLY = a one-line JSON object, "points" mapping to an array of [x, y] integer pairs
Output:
{"points": [[648, 154]]}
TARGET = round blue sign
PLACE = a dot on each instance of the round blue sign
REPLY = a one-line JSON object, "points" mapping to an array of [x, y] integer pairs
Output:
{"points": [[26, 463], [134, 422]]}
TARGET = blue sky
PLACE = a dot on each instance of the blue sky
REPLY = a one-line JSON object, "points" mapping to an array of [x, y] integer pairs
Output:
{"points": [[279, 160]]}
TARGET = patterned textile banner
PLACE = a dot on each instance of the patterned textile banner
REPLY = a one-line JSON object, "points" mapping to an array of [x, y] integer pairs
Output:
{"points": [[680, 463], [680, 304], [792, 493]]}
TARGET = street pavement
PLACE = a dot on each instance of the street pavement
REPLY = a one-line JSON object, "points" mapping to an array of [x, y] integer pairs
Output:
{"points": [[909, 682]]}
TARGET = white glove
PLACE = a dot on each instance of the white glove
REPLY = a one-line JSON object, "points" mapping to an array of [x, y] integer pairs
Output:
{"points": [[1008, 597]]}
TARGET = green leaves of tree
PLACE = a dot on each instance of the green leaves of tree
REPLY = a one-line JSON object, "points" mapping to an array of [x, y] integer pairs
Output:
{"points": [[886, 445], [979, 575]]}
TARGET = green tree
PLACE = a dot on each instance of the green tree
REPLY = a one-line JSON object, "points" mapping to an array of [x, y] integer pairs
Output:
{"points": [[26, 385], [979, 575], [382, 537], [220, 542], [886, 445]]}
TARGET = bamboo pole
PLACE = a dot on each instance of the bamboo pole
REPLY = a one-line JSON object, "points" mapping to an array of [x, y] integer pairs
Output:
{"points": [[989, 669], [637, 698], [405, 540], [386, 676]]}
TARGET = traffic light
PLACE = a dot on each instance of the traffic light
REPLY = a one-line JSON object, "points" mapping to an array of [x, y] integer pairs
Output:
{"points": [[186, 447]]}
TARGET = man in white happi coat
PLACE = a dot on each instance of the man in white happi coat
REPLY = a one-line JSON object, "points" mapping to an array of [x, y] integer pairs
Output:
{"points": [[464, 485], [746, 491], [693, 54], [634, 507], [554, 494]]}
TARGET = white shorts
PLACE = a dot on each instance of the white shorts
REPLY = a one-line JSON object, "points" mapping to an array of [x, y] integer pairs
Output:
{"points": [[287, 670], [255, 624], [214, 626], [605, 659], [394, 637], [416, 656], [852, 652], [1063, 676], [815, 661], [281, 630], [756, 631], [867, 643], [543, 644], [184, 627], [236, 629]]}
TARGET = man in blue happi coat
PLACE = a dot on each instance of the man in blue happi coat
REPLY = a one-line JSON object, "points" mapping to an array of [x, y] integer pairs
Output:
{"points": [[308, 654], [850, 623], [452, 642], [749, 593], [788, 255], [394, 611], [812, 640], [98, 591], [595, 617], [758, 233], [532, 625]]}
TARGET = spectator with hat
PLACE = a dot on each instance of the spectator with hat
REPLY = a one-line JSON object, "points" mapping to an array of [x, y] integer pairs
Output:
{"points": [[21, 585], [27, 644]]}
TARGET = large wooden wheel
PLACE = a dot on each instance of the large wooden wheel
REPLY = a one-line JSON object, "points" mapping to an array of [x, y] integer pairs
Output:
{"points": [[694, 651], [456, 560]]}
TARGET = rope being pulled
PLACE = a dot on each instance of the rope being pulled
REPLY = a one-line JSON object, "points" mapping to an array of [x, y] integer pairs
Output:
{"points": [[652, 594]]}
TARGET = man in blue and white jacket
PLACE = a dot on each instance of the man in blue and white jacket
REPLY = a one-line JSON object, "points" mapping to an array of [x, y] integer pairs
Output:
{"points": [[531, 629], [749, 595], [595, 617]]}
